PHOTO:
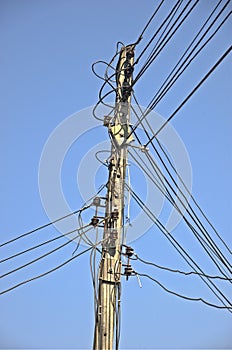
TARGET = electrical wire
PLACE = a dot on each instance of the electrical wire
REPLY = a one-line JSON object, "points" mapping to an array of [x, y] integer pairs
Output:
{"points": [[45, 273], [183, 296], [179, 271], [184, 65], [43, 226], [44, 255], [150, 20], [192, 213], [140, 121], [99, 160], [190, 94], [167, 194], [157, 32], [179, 248], [164, 42], [40, 245]]}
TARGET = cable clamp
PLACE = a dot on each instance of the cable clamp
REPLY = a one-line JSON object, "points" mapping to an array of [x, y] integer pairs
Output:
{"points": [[143, 148]]}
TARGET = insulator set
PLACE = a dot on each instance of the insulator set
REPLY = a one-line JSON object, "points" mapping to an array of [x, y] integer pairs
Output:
{"points": [[94, 221], [129, 252], [128, 271]]}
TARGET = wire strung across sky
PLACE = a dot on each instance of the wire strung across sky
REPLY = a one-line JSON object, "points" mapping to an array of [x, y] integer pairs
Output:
{"points": [[47, 272], [184, 62], [81, 235], [229, 308], [225, 54], [190, 261], [165, 167], [165, 191], [41, 227], [136, 257]]}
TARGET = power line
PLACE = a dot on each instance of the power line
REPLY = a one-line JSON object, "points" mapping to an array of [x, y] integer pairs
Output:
{"points": [[157, 31], [189, 47], [191, 93], [45, 273], [179, 271], [164, 43], [192, 214], [211, 244], [140, 121], [44, 255], [167, 194], [178, 247], [158, 96], [149, 21], [43, 226], [183, 296]]}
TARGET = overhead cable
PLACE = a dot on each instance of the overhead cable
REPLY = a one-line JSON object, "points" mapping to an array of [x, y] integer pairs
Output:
{"points": [[44, 255], [226, 53], [43, 226], [46, 273], [179, 248], [229, 308], [179, 271]]}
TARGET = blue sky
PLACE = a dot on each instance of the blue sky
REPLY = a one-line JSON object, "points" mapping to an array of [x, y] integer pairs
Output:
{"points": [[47, 49]]}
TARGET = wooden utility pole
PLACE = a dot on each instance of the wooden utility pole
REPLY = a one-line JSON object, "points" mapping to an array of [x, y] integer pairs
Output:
{"points": [[110, 266]]}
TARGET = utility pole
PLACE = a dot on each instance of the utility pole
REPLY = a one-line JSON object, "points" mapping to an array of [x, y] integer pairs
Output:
{"points": [[114, 236]]}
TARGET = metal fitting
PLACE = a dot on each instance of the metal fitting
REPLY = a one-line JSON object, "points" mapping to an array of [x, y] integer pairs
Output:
{"points": [[94, 221]]}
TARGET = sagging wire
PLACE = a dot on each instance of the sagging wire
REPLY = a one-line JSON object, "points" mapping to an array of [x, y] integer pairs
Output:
{"points": [[45, 255], [45, 273], [107, 80], [129, 271], [105, 162], [185, 273], [189, 260]]}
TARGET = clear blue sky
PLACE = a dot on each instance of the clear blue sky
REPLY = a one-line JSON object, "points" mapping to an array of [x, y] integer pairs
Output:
{"points": [[47, 48]]}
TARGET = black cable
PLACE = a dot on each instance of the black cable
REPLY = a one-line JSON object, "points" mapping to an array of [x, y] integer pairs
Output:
{"points": [[43, 226], [178, 247], [164, 43], [103, 62], [44, 255], [38, 245], [179, 271], [45, 273], [219, 254], [171, 199], [191, 93], [167, 194], [99, 160], [157, 32], [183, 296], [157, 98], [149, 21], [140, 121], [162, 92]]}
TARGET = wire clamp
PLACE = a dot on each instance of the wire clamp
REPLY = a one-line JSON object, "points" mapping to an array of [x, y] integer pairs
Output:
{"points": [[144, 149]]}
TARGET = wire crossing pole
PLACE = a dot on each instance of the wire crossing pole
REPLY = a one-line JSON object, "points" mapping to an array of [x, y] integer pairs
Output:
{"points": [[108, 306]]}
